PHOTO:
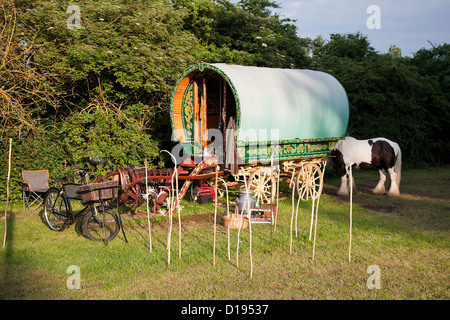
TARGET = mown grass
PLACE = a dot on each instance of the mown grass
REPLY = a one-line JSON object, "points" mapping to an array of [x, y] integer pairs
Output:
{"points": [[407, 237]]}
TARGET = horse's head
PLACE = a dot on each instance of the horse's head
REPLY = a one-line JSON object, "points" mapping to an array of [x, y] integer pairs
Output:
{"points": [[336, 154]]}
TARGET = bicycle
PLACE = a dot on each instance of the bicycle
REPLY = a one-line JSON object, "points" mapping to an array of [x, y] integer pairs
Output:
{"points": [[99, 223]]}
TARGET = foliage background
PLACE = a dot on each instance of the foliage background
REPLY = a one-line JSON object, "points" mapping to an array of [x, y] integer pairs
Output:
{"points": [[102, 91]]}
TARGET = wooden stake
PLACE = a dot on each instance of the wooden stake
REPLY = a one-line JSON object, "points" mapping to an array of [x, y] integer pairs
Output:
{"points": [[247, 202], [292, 214], [278, 192], [296, 214], [239, 232], [351, 213], [242, 222], [179, 213], [7, 190], [271, 206], [171, 204], [312, 213], [250, 229], [228, 215], [169, 236], [148, 210], [317, 211], [215, 216]]}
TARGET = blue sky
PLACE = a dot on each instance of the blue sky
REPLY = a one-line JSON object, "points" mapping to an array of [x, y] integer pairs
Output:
{"points": [[409, 24]]}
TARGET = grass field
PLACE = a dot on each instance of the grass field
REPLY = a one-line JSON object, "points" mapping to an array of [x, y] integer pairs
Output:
{"points": [[407, 237]]}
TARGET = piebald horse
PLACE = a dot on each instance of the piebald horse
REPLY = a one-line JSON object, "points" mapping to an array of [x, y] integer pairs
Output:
{"points": [[379, 153]]}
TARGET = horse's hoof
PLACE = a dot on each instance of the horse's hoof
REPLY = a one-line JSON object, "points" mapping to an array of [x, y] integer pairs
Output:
{"points": [[378, 192], [343, 194]]}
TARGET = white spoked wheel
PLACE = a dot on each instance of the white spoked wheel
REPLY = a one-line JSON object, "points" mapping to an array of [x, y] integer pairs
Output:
{"points": [[262, 183], [309, 181]]}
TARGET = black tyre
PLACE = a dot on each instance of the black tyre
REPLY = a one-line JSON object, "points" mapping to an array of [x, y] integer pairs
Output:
{"points": [[194, 194], [98, 227], [56, 209]]}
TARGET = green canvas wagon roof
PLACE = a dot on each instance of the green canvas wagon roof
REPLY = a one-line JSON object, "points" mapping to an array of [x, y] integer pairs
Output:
{"points": [[296, 103]]}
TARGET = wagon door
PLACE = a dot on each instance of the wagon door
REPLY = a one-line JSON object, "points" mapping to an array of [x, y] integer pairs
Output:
{"points": [[200, 117], [194, 114]]}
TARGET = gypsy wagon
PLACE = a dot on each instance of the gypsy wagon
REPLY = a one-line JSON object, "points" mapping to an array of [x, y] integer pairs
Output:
{"points": [[256, 115], [247, 117]]}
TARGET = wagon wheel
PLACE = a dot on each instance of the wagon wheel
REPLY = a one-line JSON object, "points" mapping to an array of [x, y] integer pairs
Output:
{"points": [[262, 183], [309, 181]]}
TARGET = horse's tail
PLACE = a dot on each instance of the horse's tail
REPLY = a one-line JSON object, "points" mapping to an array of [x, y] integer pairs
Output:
{"points": [[398, 166]]}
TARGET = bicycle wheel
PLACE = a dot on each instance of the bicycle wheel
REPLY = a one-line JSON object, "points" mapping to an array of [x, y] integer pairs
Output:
{"points": [[98, 228], [56, 209]]}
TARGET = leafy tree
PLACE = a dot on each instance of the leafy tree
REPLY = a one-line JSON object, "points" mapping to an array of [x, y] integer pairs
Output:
{"points": [[98, 90], [395, 51], [246, 33], [26, 92], [261, 8], [352, 46], [123, 60], [434, 64], [124, 51]]}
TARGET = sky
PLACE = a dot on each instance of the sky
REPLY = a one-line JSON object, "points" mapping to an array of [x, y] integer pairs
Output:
{"points": [[407, 24]]}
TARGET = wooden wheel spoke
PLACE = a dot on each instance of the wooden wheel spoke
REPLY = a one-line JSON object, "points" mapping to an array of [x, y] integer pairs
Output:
{"points": [[309, 181], [261, 183]]}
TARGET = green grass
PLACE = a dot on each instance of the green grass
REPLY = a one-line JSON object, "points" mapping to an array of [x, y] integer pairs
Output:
{"points": [[407, 237]]}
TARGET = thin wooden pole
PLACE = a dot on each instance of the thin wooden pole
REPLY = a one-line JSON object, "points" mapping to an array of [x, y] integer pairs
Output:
{"points": [[317, 210], [215, 215], [172, 202], [296, 214], [250, 229], [241, 223], [313, 195], [292, 214], [7, 190], [278, 193], [271, 205], [238, 235], [299, 198], [351, 214], [148, 210], [169, 236], [179, 213], [228, 215], [247, 203]]}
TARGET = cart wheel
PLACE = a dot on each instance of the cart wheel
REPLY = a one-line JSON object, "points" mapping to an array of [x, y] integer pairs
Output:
{"points": [[309, 181], [94, 225], [263, 185], [56, 209]]}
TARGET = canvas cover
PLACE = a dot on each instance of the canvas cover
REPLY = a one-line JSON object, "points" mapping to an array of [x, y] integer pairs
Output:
{"points": [[299, 104]]}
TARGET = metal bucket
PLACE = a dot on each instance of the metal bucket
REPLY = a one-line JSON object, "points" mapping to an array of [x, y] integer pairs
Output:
{"points": [[249, 203]]}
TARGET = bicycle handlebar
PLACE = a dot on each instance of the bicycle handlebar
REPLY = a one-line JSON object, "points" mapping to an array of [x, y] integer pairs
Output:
{"points": [[81, 173], [79, 169]]}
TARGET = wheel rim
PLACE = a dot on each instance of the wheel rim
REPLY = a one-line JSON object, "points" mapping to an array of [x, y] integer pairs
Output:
{"points": [[309, 182], [94, 228], [261, 183], [55, 211]]}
